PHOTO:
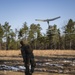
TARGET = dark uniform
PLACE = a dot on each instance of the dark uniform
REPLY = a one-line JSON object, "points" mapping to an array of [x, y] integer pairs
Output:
{"points": [[28, 58]]}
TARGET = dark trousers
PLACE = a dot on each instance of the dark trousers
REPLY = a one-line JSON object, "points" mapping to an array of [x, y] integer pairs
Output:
{"points": [[29, 60]]}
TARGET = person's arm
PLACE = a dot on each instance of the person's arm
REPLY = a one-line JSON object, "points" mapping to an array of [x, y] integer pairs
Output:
{"points": [[23, 53]]}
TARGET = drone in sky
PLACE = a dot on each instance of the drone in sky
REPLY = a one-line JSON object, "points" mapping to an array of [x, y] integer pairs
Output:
{"points": [[47, 20]]}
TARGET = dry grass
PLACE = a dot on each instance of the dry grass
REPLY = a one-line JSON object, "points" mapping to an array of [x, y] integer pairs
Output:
{"points": [[22, 73], [35, 73], [53, 52], [10, 73], [9, 52], [38, 52]]}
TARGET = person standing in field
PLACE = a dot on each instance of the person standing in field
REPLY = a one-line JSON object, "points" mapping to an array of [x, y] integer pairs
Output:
{"points": [[28, 57]]}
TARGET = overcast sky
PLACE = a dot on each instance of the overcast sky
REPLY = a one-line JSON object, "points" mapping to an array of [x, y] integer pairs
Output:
{"points": [[16, 12]]}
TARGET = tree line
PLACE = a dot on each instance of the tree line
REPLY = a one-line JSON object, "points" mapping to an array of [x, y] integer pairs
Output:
{"points": [[52, 39]]}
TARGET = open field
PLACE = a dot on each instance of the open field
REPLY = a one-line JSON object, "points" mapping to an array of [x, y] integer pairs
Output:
{"points": [[53, 62], [38, 52]]}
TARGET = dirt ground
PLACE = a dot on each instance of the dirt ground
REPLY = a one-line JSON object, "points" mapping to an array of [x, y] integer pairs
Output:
{"points": [[13, 55], [20, 73], [35, 73]]}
